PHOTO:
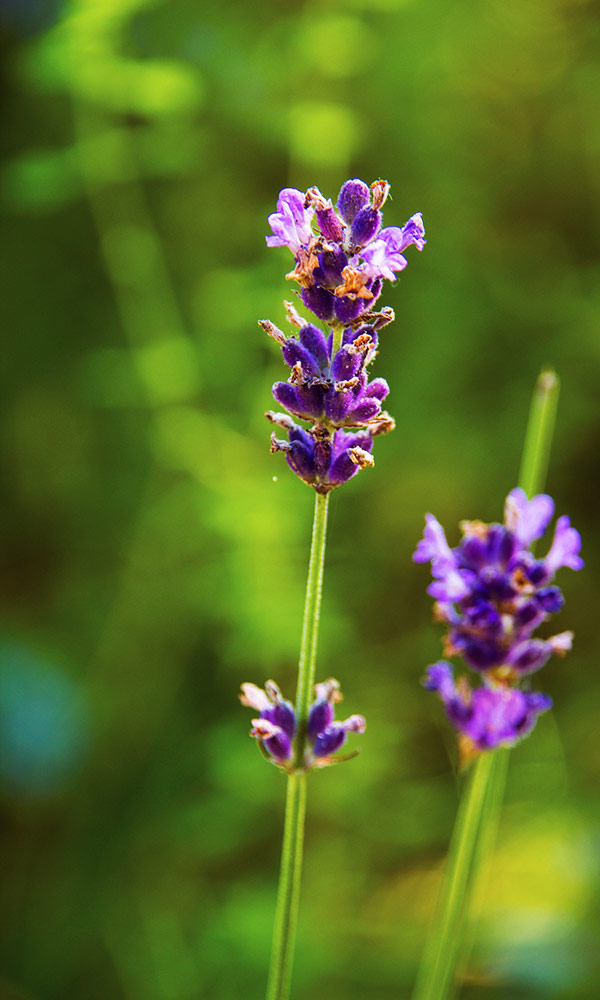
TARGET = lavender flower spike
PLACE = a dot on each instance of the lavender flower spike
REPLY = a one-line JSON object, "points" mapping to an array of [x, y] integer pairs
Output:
{"points": [[493, 594], [341, 258], [276, 726]]}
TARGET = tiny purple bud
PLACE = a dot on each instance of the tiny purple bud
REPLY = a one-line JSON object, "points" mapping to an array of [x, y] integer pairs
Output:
{"points": [[353, 196], [329, 222], [365, 226]]}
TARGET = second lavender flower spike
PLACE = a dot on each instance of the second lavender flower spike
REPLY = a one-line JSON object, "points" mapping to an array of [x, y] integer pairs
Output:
{"points": [[493, 593]]}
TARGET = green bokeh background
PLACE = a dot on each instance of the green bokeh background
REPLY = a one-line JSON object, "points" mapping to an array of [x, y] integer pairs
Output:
{"points": [[153, 553]]}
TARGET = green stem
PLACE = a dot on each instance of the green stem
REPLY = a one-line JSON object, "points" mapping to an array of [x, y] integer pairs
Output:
{"points": [[338, 330], [288, 895], [538, 437], [475, 831], [441, 950], [310, 624]]}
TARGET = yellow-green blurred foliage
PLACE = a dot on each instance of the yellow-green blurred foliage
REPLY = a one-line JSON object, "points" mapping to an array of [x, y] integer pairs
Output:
{"points": [[153, 553]]}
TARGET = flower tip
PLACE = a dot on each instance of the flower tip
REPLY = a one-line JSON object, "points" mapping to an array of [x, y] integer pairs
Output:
{"points": [[254, 697], [356, 724], [561, 643]]}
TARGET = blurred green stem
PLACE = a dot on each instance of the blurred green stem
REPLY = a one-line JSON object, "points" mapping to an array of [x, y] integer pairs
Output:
{"points": [[288, 895], [476, 826], [538, 438], [338, 331]]}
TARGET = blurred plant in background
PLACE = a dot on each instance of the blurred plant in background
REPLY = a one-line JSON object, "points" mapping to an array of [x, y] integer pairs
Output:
{"points": [[150, 563]]}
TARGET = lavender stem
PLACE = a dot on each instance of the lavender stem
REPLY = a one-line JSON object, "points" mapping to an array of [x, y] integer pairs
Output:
{"points": [[288, 894]]}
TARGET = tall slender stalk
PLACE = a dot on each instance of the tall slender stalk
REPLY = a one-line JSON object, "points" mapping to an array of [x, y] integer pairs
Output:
{"points": [[476, 825], [288, 895]]}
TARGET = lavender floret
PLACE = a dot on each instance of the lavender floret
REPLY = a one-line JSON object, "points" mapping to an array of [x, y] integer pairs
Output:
{"points": [[486, 717], [335, 391], [275, 727], [351, 237]]}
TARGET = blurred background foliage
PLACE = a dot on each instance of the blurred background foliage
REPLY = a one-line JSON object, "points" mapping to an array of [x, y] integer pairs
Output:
{"points": [[153, 553]]}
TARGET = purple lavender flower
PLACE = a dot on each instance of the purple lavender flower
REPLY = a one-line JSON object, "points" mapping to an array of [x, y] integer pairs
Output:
{"points": [[341, 257], [488, 716], [335, 391], [322, 460], [493, 593], [276, 726], [340, 266], [291, 223]]}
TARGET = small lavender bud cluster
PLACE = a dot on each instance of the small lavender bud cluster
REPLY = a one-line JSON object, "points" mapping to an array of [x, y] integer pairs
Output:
{"points": [[493, 594], [340, 266], [275, 728]]}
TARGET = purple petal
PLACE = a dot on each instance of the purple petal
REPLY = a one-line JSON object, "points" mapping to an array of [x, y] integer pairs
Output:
{"points": [[527, 519], [323, 453], [440, 677], [565, 547], [282, 715], [433, 547], [380, 262], [413, 233], [384, 256], [450, 586], [291, 224], [479, 653]]}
